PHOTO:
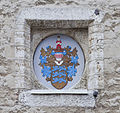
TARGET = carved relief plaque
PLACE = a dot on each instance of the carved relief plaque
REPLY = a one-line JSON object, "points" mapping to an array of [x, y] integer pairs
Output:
{"points": [[58, 62]]}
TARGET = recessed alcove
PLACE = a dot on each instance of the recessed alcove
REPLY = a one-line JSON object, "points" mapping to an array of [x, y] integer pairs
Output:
{"points": [[80, 36], [32, 26]]}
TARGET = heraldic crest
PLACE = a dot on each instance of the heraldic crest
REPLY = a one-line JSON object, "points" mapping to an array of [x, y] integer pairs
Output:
{"points": [[59, 64]]}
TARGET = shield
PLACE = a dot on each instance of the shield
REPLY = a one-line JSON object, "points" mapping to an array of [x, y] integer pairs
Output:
{"points": [[59, 64]]}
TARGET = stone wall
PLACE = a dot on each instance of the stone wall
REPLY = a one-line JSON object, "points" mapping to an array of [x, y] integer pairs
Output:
{"points": [[108, 100]]}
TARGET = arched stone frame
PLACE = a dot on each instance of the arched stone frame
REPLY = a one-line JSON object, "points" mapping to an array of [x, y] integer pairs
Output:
{"points": [[83, 17]]}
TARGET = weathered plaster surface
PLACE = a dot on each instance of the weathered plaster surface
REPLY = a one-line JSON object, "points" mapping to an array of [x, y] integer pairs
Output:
{"points": [[108, 100]]}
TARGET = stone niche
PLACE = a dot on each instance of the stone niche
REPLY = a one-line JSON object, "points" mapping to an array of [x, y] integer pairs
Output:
{"points": [[34, 25], [79, 35]]}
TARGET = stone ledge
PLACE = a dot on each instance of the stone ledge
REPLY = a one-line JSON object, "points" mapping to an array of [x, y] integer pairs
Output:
{"points": [[81, 100], [68, 92]]}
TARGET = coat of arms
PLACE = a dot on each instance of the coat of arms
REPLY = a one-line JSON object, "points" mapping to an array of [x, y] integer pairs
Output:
{"points": [[59, 64]]}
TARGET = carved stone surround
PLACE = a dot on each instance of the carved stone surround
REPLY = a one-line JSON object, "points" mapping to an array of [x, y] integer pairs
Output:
{"points": [[47, 17]]}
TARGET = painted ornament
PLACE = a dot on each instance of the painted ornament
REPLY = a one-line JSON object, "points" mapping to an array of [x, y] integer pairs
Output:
{"points": [[59, 64]]}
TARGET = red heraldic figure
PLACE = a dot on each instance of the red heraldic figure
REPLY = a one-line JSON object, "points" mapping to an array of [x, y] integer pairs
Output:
{"points": [[58, 43]]}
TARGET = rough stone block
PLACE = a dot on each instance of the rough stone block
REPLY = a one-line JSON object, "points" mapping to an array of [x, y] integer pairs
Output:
{"points": [[26, 98]]}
